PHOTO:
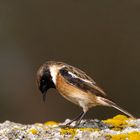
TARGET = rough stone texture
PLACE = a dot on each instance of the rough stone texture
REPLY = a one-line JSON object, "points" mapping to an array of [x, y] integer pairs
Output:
{"points": [[118, 128]]}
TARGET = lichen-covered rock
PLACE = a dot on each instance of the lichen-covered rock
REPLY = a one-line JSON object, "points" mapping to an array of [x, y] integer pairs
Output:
{"points": [[118, 128]]}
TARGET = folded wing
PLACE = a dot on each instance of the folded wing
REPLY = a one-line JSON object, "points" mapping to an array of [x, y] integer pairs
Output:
{"points": [[81, 80]]}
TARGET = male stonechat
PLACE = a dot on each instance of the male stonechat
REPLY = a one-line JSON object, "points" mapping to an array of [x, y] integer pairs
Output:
{"points": [[74, 85]]}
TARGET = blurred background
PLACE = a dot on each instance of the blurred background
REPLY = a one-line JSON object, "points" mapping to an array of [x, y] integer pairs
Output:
{"points": [[99, 37]]}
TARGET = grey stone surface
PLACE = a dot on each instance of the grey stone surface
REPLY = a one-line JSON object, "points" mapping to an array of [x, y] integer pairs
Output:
{"points": [[87, 130]]}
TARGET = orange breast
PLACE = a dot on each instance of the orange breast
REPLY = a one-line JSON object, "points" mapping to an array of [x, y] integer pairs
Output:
{"points": [[73, 94]]}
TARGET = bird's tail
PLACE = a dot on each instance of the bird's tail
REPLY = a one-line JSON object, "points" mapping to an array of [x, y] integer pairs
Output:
{"points": [[110, 103]]}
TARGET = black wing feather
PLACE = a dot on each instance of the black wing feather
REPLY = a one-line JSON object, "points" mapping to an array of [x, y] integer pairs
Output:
{"points": [[87, 87]]}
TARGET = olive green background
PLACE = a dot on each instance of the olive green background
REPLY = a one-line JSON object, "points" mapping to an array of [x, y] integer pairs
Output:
{"points": [[100, 37]]}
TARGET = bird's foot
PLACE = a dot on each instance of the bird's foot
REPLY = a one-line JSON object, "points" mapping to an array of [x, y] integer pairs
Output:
{"points": [[71, 124]]}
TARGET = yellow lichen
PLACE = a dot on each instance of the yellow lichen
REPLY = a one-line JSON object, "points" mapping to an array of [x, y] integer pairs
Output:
{"points": [[89, 129], [127, 136], [118, 121], [50, 123], [33, 131], [68, 131], [134, 136], [73, 131]]}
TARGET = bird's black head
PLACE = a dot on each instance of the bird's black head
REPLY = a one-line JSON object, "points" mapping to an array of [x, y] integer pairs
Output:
{"points": [[44, 80]]}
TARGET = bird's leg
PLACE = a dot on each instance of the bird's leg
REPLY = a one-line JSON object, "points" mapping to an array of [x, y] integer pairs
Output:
{"points": [[76, 118], [81, 117]]}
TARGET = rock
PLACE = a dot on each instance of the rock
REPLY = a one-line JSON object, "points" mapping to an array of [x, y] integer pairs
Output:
{"points": [[119, 127]]}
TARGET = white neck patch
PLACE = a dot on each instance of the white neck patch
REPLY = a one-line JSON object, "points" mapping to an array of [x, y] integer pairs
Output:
{"points": [[54, 71]]}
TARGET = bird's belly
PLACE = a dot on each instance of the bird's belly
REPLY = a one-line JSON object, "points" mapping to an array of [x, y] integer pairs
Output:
{"points": [[79, 98], [75, 95]]}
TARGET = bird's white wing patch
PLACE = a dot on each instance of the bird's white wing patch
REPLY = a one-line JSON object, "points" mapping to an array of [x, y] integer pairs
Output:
{"points": [[75, 76]]}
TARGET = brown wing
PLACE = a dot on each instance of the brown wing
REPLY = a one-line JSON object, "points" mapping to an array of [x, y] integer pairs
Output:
{"points": [[79, 79]]}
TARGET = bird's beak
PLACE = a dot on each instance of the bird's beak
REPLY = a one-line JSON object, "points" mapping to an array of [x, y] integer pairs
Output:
{"points": [[44, 96], [43, 89]]}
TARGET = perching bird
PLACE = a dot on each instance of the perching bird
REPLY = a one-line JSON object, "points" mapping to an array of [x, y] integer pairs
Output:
{"points": [[74, 85]]}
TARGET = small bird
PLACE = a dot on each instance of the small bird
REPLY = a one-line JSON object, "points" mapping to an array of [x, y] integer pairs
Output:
{"points": [[74, 85]]}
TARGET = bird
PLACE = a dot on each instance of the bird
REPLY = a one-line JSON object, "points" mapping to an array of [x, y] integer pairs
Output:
{"points": [[75, 86]]}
